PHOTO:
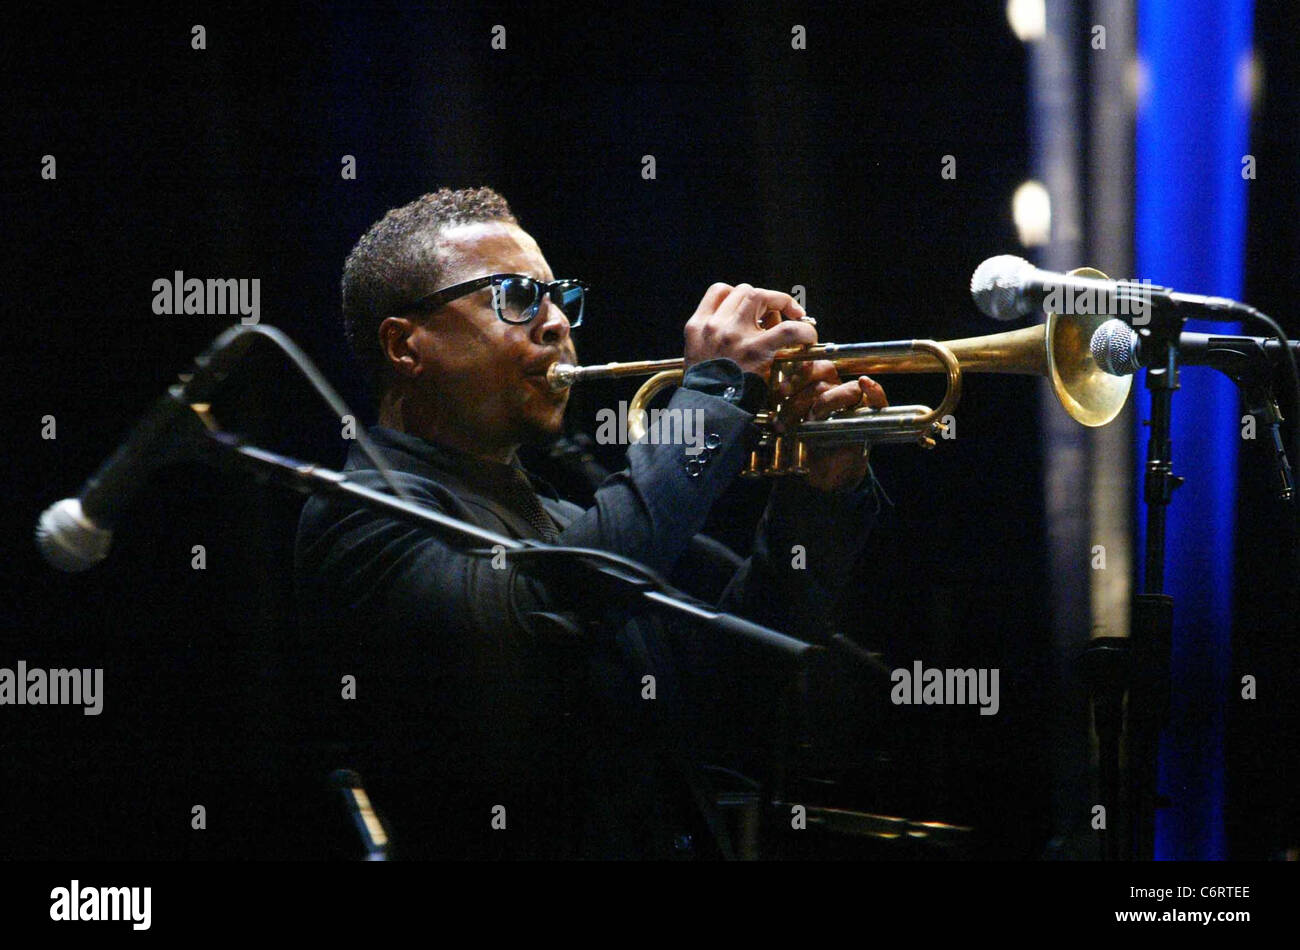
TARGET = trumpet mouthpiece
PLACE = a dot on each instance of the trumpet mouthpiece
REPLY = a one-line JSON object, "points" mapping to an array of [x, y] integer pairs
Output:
{"points": [[561, 375]]}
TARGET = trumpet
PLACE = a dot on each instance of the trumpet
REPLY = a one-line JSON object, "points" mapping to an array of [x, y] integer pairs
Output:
{"points": [[1059, 349]]}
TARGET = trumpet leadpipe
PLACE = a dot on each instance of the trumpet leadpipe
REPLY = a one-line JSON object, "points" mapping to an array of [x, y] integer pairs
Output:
{"points": [[879, 355], [563, 375]]}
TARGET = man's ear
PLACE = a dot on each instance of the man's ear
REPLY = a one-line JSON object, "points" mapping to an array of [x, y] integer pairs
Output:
{"points": [[395, 341]]}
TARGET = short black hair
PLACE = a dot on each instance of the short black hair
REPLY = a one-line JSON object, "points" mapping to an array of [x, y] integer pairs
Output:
{"points": [[395, 262]]}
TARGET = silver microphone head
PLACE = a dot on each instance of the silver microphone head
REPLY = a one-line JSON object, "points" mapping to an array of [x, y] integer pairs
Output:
{"points": [[1115, 347], [68, 539], [996, 284]]}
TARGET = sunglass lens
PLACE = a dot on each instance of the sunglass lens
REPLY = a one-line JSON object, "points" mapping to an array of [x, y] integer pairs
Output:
{"points": [[515, 299], [572, 300]]}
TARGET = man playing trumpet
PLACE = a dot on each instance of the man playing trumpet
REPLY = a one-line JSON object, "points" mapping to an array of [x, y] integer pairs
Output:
{"points": [[487, 722]]}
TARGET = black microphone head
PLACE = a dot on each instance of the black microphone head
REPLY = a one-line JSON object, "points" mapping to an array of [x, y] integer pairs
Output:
{"points": [[1115, 347], [344, 778], [68, 539], [996, 285]]}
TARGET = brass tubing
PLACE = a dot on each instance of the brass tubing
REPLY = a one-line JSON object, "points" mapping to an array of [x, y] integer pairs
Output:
{"points": [[1021, 352], [1058, 350], [1016, 351]]}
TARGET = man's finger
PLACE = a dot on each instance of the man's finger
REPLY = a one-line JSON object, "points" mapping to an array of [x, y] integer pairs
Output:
{"points": [[748, 304], [874, 393], [713, 297], [788, 333], [795, 409], [804, 373], [782, 303], [841, 398]]}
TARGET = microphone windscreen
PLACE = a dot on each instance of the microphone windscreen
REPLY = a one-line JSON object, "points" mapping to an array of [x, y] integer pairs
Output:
{"points": [[1115, 348], [995, 286], [70, 541]]}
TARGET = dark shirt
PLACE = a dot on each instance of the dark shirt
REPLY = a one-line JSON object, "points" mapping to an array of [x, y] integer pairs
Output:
{"points": [[470, 695]]}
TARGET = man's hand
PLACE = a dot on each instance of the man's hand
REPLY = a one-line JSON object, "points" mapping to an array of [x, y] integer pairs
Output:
{"points": [[750, 325], [815, 392], [738, 323]]}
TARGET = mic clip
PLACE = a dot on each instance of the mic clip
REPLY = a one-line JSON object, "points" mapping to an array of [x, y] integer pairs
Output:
{"points": [[1261, 404], [1246, 364]]}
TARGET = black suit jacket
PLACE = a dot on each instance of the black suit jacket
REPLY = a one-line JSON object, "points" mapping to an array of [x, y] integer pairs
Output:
{"points": [[485, 729]]}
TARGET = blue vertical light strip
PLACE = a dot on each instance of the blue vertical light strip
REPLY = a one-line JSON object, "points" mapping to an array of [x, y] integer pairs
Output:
{"points": [[1192, 133]]}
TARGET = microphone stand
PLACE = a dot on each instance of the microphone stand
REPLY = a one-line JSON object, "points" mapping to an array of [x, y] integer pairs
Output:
{"points": [[611, 573], [1151, 634], [1148, 668], [1140, 663], [609, 578]]}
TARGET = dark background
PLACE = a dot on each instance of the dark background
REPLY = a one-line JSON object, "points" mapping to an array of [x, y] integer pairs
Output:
{"points": [[774, 166]]}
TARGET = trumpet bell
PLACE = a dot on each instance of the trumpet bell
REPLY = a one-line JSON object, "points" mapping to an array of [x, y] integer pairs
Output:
{"points": [[1089, 394]]}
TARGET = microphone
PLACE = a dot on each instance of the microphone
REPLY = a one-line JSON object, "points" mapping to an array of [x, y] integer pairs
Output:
{"points": [[1118, 351], [1007, 287], [75, 534]]}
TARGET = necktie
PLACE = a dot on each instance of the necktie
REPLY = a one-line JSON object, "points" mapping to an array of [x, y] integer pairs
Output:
{"points": [[525, 501]]}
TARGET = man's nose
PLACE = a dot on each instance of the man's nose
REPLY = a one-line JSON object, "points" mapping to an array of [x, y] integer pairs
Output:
{"points": [[550, 326]]}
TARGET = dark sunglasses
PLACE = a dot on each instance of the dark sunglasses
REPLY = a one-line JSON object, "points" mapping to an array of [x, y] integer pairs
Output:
{"points": [[516, 298]]}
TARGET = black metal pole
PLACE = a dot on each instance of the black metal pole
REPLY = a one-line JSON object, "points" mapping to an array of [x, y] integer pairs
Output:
{"points": [[617, 575], [1153, 610]]}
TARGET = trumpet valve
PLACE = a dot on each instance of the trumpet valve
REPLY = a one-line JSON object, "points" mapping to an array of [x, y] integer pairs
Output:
{"points": [[779, 463], [800, 466]]}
